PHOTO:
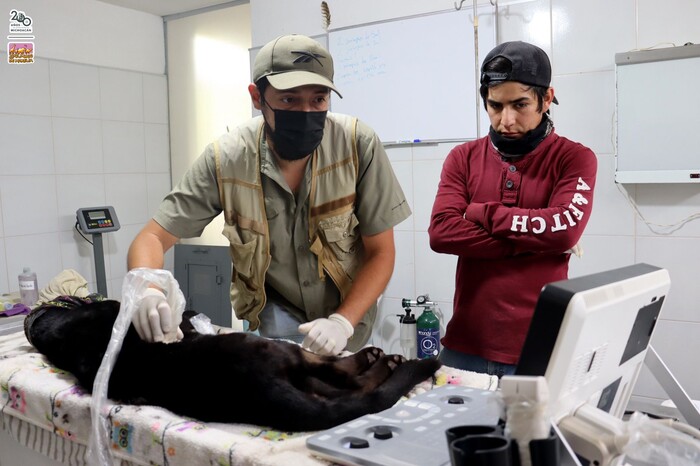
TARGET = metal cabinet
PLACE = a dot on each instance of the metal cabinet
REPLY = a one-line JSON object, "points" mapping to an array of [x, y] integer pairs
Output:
{"points": [[204, 276]]}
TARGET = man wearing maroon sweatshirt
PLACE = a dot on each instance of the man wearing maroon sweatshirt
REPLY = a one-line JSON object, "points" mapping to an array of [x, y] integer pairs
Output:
{"points": [[512, 206]]}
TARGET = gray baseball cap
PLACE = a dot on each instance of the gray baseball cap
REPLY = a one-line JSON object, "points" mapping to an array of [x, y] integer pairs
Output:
{"points": [[294, 60]]}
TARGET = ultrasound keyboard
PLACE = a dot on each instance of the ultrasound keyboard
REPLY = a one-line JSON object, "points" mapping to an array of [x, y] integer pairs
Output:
{"points": [[409, 433]]}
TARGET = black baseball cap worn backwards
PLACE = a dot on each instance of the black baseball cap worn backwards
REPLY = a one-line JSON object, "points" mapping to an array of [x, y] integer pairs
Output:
{"points": [[529, 65], [294, 60]]}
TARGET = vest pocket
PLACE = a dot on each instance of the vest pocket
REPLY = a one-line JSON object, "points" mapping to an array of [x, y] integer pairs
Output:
{"points": [[242, 253], [341, 234]]}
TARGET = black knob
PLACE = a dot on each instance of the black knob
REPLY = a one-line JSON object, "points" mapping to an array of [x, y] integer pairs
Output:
{"points": [[382, 433], [455, 400], [358, 443]]}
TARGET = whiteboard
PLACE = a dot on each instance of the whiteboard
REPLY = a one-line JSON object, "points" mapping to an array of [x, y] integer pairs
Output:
{"points": [[657, 122], [413, 78]]}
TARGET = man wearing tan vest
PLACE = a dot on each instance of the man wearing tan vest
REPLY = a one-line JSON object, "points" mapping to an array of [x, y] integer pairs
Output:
{"points": [[309, 200]]}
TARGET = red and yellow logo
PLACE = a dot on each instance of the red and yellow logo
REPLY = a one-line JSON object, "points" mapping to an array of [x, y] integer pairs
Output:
{"points": [[20, 52]]}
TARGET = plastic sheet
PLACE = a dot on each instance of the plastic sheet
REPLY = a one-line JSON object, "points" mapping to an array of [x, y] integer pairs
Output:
{"points": [[655, 441], [202, 324], [135, 283]]}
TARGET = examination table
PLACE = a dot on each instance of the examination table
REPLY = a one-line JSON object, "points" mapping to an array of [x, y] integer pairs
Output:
{"points": [[42, 408]]}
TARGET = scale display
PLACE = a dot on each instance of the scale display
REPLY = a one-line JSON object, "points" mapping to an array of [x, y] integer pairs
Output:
{"points": [[97, 219]]}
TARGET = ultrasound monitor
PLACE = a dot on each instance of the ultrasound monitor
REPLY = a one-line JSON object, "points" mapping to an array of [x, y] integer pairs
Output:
{"points": [[589, 337]]}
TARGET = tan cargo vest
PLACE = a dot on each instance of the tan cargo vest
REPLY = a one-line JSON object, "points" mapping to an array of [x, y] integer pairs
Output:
{"points": [[333, 228]]}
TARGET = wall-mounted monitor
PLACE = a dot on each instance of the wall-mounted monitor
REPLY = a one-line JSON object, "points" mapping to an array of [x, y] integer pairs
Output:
{"points": [[657, 101]]}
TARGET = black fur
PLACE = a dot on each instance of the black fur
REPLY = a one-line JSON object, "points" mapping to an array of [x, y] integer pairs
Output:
{"points": [[235, 377]]}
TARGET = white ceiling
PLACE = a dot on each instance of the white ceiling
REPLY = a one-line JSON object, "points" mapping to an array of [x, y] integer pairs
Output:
{"points": [[166, 7]]}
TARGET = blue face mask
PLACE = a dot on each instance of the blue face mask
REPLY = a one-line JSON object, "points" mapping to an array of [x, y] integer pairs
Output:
{"points": [[297, 134]]}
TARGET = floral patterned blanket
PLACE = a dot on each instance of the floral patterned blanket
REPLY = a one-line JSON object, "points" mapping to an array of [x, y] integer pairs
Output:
{"points": [[43, 408]]}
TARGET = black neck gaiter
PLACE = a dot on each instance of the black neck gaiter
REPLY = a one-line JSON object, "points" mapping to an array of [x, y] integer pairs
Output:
{"points": [[510, 148]]}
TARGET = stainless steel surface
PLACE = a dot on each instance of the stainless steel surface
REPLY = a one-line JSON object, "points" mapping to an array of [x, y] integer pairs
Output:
{"points": [[12, 324]]}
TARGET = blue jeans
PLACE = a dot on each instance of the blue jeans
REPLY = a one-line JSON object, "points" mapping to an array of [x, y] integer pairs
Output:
{"points": [[469, 362]]}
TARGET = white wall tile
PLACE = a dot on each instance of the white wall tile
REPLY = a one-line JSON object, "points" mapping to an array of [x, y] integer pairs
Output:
{"points": [[79, 255], [40, 252], [433, 151], [114, 288], [117, 248], [404, 174], [612, 213], [127, 194], [580, 117], [295, 21], [678, 345], [155, 99], [586, 35], [435, 273], [681, 257], [121, 95], [157, 148], [211, 235], [4, 283], [108, 35], [52, 161], [347, 14], [75, 90], [426, 179], [668, 208], [602, 253], [386, 328], [158, 186], [77, 145], [28, 204], [529, 22], [666, 23], [446, 309], [76, 191], [398, 153], [26, 145], [26, 89], [123, 147], [402, 282]]}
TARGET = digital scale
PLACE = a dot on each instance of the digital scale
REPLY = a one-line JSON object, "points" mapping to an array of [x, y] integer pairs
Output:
{"points": [[95, 221], [409, 433]]}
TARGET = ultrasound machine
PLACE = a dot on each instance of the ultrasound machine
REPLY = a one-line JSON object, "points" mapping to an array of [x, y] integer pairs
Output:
{"points": [[587, 343]]}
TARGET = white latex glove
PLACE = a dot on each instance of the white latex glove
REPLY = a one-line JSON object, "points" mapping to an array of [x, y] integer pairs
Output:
{"points": [[154, 320], [577, 250], [326, 337]]}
